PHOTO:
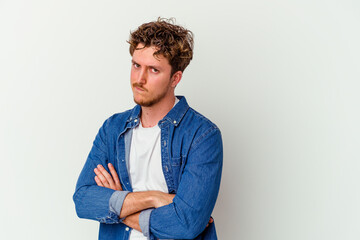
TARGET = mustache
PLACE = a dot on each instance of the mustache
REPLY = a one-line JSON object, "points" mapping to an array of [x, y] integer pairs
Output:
{"points": [[139, 86]]}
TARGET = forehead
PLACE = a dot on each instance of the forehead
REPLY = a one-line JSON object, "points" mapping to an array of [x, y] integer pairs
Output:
{"points": [[145, 55]]}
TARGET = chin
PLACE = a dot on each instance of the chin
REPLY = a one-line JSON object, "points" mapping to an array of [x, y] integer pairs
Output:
{"points": [[146, 102], [143, 102]]}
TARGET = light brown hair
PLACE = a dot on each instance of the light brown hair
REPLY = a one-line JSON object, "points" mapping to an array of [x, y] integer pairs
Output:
{"points": [[172, 41]]}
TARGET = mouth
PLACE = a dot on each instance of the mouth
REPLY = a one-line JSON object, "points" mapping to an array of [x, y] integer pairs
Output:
{"points": [[138, 88]]}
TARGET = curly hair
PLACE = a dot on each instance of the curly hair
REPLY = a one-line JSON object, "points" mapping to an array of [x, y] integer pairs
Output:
{"points": [[172, 41]]}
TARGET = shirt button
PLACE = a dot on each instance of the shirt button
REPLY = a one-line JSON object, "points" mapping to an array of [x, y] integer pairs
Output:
{"points": [[127, 229], [135, 120], [174, 122]]}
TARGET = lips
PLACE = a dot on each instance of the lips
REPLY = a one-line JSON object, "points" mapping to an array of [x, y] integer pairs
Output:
{"points": [[139, 88]]}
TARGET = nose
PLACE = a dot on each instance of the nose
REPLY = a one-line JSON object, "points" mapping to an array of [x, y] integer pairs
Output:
{"points": [[142, 77]]}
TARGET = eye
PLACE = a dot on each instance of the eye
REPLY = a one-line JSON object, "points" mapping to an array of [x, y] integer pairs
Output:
{"points": [[154, 70], [136, 65]]}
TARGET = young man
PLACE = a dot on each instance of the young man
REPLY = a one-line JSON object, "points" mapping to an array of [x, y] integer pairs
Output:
{"points": [[154, 171]]}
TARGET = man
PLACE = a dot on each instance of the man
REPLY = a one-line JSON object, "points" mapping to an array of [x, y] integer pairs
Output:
{"points": [[154, 171]]}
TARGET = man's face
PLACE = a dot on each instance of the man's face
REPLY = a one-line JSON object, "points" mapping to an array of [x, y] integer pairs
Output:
{"points": [[151, 80]]}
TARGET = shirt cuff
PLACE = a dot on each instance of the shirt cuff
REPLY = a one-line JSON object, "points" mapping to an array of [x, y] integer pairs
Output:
{"points": [[116, 201], [144, 222]]}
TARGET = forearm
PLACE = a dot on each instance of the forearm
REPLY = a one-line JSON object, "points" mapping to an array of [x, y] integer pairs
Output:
{"points": [[138, 201], [133, 221], [92, 202], [135, 202]]}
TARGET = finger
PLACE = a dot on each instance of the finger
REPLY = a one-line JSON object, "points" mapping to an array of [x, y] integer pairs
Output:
{"points": [[115, 176], [107, 176], [101, 177], [98, 182], [210, 221]]}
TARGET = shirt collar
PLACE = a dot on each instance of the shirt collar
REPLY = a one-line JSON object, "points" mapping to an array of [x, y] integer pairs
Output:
{"points": [[135, 114], [177, 112], [174, 116]]}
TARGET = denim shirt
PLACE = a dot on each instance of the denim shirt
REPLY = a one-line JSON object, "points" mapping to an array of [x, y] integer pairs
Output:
{"points": [[191, 156]]}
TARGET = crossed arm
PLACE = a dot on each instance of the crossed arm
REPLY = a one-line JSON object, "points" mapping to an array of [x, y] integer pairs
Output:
{"points": [[134, 202], [184, 216]]}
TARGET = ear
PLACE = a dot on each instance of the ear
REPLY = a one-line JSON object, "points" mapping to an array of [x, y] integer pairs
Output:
{"points": [[175, 79]]}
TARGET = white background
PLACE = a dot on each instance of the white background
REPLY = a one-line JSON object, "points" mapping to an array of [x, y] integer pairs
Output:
{"points": [[280, 78]]}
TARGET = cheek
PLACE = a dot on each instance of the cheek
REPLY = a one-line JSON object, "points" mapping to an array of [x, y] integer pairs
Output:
{"points": [[162, 80], [132, 76]]}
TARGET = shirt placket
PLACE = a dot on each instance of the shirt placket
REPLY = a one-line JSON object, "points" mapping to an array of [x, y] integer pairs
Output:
{"points": [[165, 148]]}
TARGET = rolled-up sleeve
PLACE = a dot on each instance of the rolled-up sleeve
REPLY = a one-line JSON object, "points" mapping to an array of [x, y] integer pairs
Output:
{"points": [[116, 201], [144, 220]]}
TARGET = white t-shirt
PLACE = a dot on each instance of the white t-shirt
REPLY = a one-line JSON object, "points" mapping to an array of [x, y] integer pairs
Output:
{"points": [[145, 160], [145, 163]]}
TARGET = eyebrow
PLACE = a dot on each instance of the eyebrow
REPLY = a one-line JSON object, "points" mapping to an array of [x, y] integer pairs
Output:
{"points": [[133, 62], [150, 66]]}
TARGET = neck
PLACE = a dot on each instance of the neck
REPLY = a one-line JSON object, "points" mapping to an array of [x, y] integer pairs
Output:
{"points": [[150, 116]]}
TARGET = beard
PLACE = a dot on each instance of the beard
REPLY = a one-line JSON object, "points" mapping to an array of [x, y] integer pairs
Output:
{"points": [[150, 100]]}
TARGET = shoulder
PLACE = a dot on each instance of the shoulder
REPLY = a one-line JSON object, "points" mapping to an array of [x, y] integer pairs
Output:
{"points": [[117, 121], [194, 119], [119, 117], [199, 127], [200, 132]]}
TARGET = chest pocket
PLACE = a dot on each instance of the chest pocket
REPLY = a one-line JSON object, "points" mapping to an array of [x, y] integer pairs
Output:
{"points": [[176, 167]]}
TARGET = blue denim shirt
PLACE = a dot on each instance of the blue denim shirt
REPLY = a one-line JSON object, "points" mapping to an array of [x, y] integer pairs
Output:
{"points": [[191, 155]]}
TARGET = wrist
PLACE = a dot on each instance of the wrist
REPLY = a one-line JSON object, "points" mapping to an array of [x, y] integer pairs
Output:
{"points": [[148, 199], [153, 199]]}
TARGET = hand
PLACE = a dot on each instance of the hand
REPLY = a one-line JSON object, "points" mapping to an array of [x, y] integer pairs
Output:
{"points": [[104, 179], [210, 221], [162, 199]]}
